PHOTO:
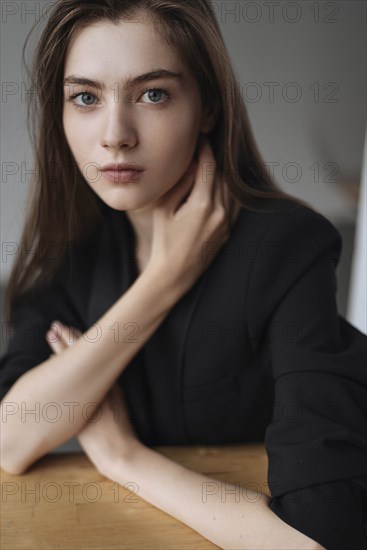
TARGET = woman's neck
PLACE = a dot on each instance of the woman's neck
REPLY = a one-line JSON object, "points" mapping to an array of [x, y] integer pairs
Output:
{"points": [[142, 224]]}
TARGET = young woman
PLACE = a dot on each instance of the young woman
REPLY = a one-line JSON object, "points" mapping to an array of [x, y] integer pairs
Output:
{"points": [[182, 285]]}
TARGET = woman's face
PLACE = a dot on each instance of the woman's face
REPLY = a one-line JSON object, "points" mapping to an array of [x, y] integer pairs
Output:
{"points": [[153, 123]]}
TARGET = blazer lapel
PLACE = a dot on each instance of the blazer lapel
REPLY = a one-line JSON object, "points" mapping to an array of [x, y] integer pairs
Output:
{"points": [[154, 389], [164, 358]]}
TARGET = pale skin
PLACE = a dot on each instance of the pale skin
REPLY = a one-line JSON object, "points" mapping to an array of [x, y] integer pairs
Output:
{"points": [[120, 123], [170, 211], [113, 447]]}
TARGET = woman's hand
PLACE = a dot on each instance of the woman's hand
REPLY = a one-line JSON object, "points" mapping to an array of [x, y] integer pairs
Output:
{"points": [[108, 435], [187, 237]]}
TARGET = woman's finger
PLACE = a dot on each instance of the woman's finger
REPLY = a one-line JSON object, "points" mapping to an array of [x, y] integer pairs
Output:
{"points": [[203, 189], [55, 341], [231, 206], [221, 199], [68, 334], [196, 185], [61, 337], [173, 199], [71, 335]]}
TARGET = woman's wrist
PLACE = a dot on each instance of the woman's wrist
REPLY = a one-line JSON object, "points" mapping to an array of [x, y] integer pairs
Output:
{"points": [[162, 284]]}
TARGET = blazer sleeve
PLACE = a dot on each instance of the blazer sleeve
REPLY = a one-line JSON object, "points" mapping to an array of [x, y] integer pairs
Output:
{"points": [[317, 439], [33, 313]]}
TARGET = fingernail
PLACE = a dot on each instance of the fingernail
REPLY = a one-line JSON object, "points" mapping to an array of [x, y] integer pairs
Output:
{"points": [[51, 335]]}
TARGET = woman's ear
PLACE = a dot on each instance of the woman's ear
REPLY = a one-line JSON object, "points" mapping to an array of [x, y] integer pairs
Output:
{"points": [[208, 121]]}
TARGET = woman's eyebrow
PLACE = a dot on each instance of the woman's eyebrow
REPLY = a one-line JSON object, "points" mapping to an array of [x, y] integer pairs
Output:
{"points": [[130, 83]]}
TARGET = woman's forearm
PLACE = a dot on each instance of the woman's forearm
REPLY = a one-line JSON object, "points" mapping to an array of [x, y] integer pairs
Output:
{"points": [[62, 386], [228, 515]]}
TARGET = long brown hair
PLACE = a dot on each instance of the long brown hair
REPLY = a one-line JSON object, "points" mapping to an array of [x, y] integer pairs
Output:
{"points": [[61, 206]]}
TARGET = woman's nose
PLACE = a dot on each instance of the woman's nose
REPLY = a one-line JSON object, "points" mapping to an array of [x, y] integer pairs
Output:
{"points": [[118, 129]]}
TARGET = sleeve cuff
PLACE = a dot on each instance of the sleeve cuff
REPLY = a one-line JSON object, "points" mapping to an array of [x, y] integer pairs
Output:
{"points": [[332, 514]]}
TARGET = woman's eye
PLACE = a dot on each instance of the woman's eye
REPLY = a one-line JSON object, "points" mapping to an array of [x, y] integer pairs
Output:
{"points": [[83, 95], [88, 99], [155, 93]]}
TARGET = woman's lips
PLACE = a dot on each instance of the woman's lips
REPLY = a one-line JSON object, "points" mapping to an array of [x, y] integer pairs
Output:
{"points": [[122, 176]]}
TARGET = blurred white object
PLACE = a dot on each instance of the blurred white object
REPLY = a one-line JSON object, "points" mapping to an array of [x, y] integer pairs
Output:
{"points": [[357, 302]]}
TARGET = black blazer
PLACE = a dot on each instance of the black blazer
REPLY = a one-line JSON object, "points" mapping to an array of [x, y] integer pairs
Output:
{"points": [[254, 351]]}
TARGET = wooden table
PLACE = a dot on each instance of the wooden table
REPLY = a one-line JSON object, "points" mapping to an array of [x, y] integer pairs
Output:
{"points": [[62, 502]]}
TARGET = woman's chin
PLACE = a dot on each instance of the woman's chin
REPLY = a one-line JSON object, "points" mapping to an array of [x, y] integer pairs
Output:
{"points": [[113, 200]]}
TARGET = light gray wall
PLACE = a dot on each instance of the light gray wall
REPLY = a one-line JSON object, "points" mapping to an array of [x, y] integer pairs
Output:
{"points": [[322, 65], [312, 51]]}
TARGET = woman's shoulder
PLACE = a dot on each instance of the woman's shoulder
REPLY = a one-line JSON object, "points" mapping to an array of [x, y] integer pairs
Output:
{"points": [[288, 223], [276, 212]]}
